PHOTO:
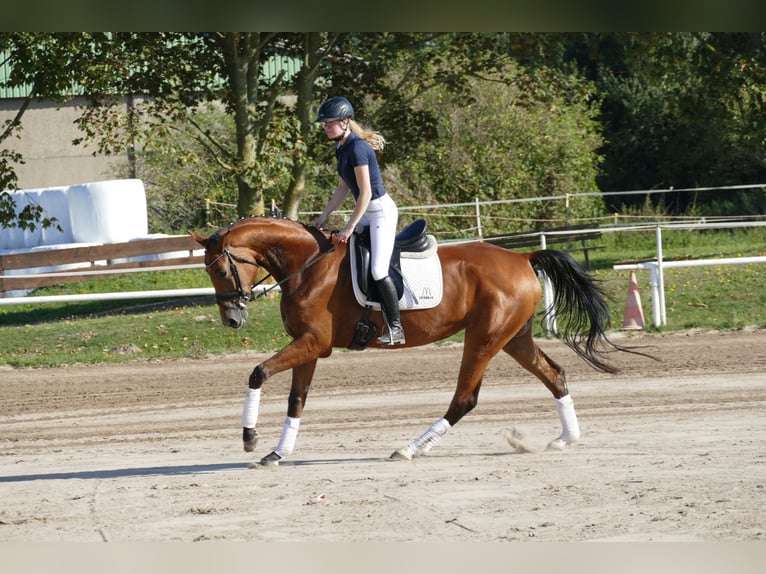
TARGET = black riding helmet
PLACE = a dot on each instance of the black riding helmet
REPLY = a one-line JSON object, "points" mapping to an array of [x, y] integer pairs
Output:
{"points": [[337, 108]]}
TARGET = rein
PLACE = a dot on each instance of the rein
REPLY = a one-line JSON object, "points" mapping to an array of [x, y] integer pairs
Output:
{"points": [[239, 292]]}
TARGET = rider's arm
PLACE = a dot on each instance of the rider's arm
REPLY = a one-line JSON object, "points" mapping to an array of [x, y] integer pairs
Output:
{"points": [[341, 192]]}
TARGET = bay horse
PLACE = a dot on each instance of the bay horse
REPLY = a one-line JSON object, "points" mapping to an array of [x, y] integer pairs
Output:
{"points": [[490, 292]]}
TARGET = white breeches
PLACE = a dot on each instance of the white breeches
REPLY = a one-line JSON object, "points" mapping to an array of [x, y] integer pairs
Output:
{"points": [[381, 217]]}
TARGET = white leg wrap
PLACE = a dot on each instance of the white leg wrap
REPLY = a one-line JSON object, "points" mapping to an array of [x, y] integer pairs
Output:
{"points": [[570, 427], [289, 434], [250, 408], [429, 438]]}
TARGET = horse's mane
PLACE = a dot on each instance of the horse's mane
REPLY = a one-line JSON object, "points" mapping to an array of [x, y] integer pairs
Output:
{"points": [[322, 238]]}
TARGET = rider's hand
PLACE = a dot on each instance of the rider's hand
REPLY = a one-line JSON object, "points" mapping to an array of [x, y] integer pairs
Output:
{"points": [[345, 233]]}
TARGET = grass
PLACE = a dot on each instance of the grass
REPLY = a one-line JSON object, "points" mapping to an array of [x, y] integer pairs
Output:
{"points": [[717, 297], [49, 335], [176, 332]]}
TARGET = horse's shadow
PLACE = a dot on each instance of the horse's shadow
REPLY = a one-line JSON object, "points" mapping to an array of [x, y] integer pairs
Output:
{"points": [[180, 470], [128, 472]]}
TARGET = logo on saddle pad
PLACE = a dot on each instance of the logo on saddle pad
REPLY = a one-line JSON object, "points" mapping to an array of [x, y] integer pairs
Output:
{"points": [[415, 269]]}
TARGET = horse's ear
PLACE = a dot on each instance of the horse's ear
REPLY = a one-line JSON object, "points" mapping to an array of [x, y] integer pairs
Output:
{"points": [[201, 239]]}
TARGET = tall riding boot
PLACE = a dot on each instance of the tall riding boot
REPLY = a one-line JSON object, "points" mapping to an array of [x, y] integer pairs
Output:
{"points": [[389, 305]]}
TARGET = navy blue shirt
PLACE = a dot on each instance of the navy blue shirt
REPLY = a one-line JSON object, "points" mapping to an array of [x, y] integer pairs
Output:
{"points": [[354, 152]]}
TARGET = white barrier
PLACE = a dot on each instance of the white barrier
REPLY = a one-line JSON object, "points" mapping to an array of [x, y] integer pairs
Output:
{"points": [[94, 213], [99, 212], [109, 296], [108, 211]]}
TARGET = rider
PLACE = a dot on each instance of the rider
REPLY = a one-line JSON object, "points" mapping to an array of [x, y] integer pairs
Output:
{"points": [[359, 174]]}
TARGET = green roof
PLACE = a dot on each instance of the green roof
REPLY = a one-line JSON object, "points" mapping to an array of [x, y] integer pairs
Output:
{"points": [[5, 71], [270, 69]]}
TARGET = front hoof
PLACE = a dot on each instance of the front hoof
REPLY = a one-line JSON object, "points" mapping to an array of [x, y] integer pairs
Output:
{"points": [[402, 454], [249, 439], [271, 459]]}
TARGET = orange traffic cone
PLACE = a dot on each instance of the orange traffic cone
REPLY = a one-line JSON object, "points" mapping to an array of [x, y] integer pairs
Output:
{"points": [[634, 312]]}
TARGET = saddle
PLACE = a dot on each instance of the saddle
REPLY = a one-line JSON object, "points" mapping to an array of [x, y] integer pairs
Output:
{"points": [[417, 281], [412, 239]]}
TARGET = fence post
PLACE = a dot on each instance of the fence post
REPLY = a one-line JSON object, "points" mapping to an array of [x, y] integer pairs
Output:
{"points": [[654, 284], [661, 278], [548, 296], [478, 219]]}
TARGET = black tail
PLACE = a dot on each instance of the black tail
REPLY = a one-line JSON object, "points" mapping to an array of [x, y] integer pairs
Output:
{"points": [[582, 313]]}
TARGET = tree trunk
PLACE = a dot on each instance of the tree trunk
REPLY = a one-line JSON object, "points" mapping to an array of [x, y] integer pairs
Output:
{"points": [[305, 89], [242, 55]]}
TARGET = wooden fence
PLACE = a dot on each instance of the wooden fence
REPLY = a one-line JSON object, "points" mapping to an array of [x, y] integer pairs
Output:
{"points": [[96, 261]]}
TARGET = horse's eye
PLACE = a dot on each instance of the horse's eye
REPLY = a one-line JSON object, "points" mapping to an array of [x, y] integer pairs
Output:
{"points": [[221, 273]]}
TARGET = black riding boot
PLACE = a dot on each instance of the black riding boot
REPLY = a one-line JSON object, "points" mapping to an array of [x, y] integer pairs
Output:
{"points": [[389, 306]]}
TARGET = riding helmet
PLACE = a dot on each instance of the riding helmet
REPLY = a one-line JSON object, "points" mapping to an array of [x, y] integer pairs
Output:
{"points": [[337, 108]]}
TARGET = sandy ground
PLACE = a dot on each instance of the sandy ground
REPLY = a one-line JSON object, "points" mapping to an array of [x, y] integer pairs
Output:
{"points": [[151, 451]]}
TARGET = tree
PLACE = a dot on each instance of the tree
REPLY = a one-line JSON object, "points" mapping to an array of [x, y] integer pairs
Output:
{"points": [[44, 77], [498, 142], [175, 74], [314, 50], [405, 83], [679, 110], [166, 76]]}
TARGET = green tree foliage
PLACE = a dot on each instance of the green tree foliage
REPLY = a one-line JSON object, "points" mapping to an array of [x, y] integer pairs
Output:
{"points": [[181, 175], [175, 74], [45, 76], [679, 110], [467, 115], [497, 141], [456, 113]]}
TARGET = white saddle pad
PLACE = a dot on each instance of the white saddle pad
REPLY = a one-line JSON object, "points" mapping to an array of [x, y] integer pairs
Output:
{"points": [[422, 274]]}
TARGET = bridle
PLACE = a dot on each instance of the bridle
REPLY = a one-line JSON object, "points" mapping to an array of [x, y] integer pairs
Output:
{"points": [[239, 292]]}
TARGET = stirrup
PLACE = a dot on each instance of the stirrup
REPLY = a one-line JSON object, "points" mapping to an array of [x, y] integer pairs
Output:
{"points": [[392, 337]]}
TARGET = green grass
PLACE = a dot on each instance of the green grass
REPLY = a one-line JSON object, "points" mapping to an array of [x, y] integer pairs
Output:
{"points": [[55, 334], [177, 332]]}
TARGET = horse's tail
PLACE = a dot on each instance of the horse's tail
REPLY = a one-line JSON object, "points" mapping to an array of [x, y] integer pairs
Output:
{"points": [[582, 313]]}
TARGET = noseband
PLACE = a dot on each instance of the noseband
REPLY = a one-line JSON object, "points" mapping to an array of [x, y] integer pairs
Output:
{"points": [[239, 292]]}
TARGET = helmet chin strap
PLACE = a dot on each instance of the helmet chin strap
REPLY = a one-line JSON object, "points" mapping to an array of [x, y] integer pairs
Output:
{"points": [[344, 134]]}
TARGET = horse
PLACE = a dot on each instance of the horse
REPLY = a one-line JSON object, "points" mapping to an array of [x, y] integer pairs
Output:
{"points": [[488, 291]]}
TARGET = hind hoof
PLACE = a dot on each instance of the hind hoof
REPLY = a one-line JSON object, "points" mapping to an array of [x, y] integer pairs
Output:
{"points": [[559, 444], [401, 454]]}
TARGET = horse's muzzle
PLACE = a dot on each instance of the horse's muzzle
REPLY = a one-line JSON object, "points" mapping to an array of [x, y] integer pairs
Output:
{"points": [[233, 317]]}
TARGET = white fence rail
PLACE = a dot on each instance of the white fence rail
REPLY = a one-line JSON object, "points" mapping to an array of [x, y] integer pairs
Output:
{"points": [[124, 295], [657, 267], [659, 313], [478, 213]]}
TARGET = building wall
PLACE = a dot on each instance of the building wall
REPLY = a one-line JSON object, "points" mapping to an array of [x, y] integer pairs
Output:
{"points": [[51, 159]]}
